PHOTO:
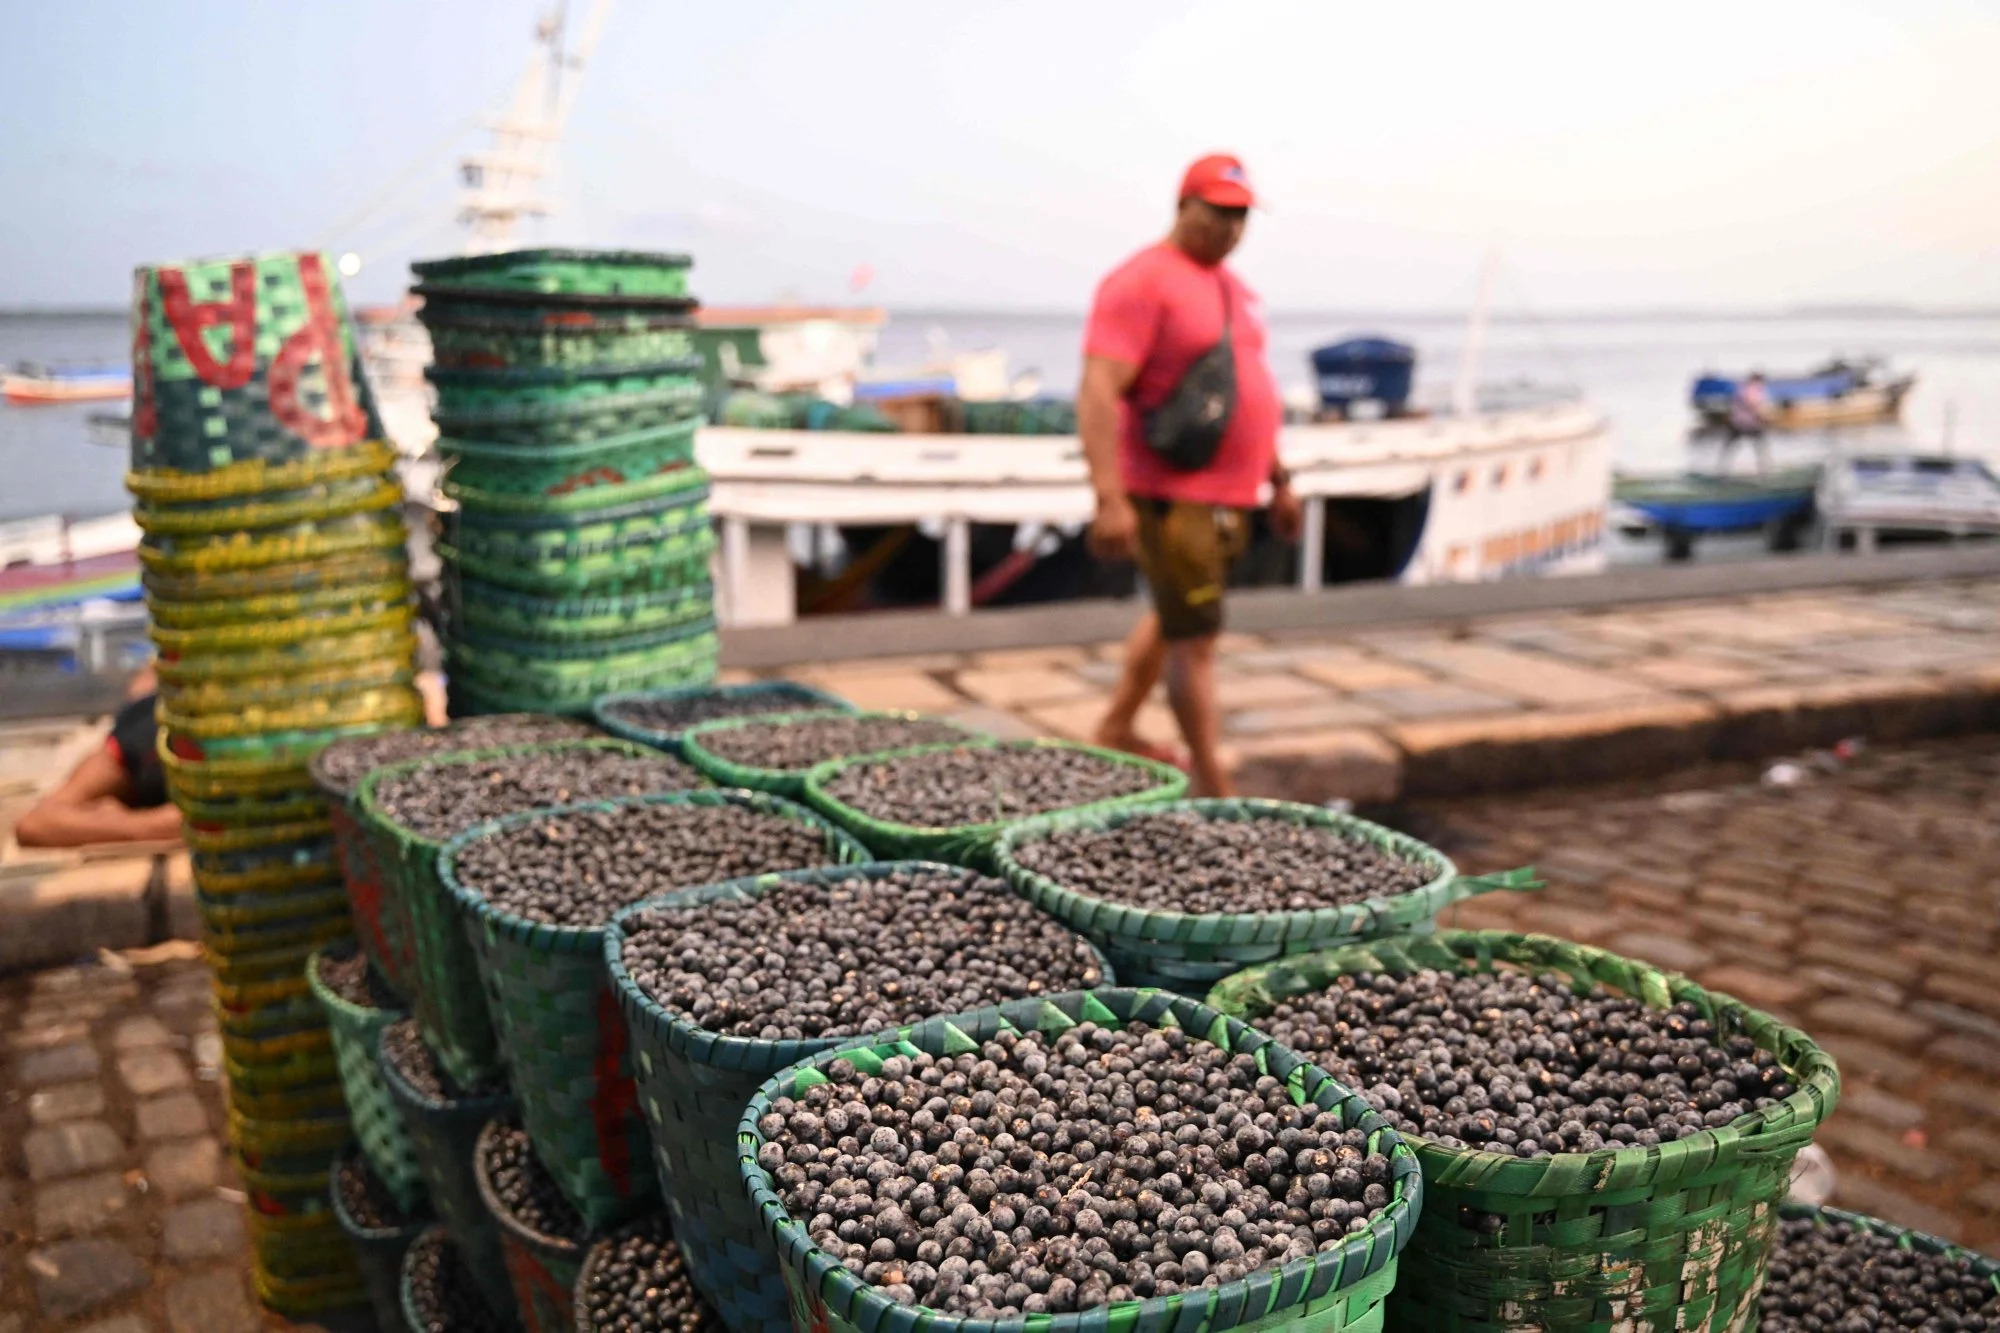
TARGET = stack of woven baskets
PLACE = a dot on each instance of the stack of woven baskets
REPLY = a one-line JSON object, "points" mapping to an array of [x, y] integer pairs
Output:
{"points": [[276, 578], [577, 540]]}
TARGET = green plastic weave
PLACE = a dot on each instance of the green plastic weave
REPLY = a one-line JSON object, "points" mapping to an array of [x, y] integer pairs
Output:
{"points": [[1669, 1237], [450, 1000], [969, 844], [1333, 1291], [556, 273], [508, 469], [784, 696], [693, 1084], [483, 608], [475, 339], [559, 1023], [541, 1269], [782, 781], [445, 1131], [377, 1123], [1189, 952], [556, 685]]}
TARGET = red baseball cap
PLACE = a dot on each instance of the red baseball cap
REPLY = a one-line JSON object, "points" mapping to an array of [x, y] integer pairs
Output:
{"points": [[1218, 179]]}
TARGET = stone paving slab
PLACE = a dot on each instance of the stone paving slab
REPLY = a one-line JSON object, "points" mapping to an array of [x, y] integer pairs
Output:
{"points": [[119, 1214], [1862, 904], [1484, 704]]}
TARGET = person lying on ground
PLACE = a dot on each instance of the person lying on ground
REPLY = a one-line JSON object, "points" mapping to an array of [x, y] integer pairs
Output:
{"points": [[117, 794]]}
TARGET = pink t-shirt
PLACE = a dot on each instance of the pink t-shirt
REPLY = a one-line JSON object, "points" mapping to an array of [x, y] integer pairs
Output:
{"points": [[1159, 311]]}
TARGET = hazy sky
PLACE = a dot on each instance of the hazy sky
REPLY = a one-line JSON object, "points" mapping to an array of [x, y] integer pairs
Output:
{"points": [[1004, 154]]}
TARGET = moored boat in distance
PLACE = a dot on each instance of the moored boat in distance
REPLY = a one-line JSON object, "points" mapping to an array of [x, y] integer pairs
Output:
{"points": [[1685, 506], [30, 384], [1908, 495], [1840, 393]]}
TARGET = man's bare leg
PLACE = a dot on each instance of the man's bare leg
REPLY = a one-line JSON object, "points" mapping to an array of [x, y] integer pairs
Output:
{"points": [[1191, 693], [1145, 659]]}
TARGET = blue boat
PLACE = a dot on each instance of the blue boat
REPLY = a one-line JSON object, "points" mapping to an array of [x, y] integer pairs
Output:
{"points": [[1685, 507], [1840, 393]]}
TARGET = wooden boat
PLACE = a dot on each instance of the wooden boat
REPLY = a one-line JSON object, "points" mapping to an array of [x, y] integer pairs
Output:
{"points": [[33, 385], [1839, 393]]}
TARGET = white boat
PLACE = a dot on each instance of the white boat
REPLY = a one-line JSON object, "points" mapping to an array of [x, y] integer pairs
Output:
{"points": [[1485, 495], [1870, 496]]}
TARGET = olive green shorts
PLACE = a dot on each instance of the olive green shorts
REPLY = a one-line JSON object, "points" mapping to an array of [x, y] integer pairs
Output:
{"points": [[1185, 551]]}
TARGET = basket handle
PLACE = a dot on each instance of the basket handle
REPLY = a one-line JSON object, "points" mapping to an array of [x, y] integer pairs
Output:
{"points": [[1519, 880]]}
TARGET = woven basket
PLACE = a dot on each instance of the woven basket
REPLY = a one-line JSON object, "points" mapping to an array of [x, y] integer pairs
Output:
{"points": [[1189, 952], [377, 1123], [1333, 1290], [444, 1131], [783, 696], [499, 1303], [506, 468], [1921, 1242], [320, 503], [1669, 1237], [558, 1019], [790, 782], [693, 1084], [482, 608], [554, 685], [274, 550], [542, 1269], [969, 844], [587, 1274], [560, 277], [379, 1251]]}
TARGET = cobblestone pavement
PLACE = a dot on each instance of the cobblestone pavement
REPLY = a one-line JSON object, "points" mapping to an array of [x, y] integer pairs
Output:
{"points": [[1862, 905], [120, 1211], [1372, 712]]}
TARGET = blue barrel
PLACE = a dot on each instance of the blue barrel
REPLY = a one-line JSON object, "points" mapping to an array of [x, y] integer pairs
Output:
{"points": [[1365, 370]]}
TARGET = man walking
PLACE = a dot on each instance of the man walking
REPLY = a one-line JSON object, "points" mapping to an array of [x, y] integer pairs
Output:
{"points": [[1179, 416]]}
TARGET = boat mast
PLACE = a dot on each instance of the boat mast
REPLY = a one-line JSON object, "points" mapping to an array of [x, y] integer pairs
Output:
{"points": [[1465, 389], [502, 185]]}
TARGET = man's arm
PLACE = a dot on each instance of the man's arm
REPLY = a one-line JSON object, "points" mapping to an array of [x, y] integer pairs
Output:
{"points": [[87, 808], [1114, 532]]}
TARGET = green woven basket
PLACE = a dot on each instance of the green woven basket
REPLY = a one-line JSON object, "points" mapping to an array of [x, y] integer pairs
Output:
{"points": [[261, 477], [485, 609], [676, 561], [1669, 1237], [558, 1018], [1333, 1291], [489, 337], [377, 1123], [231, 912], [970, 844], [693, 1084], [623, 274], [471, 391], [792, 782], [445, 1131], [1921, 1242], [582, 421], [542, 1269], [379, 1250], [561, 515], [557, 685], [547, 471], [1189, 952], [451, 1002], [616, 712]]}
